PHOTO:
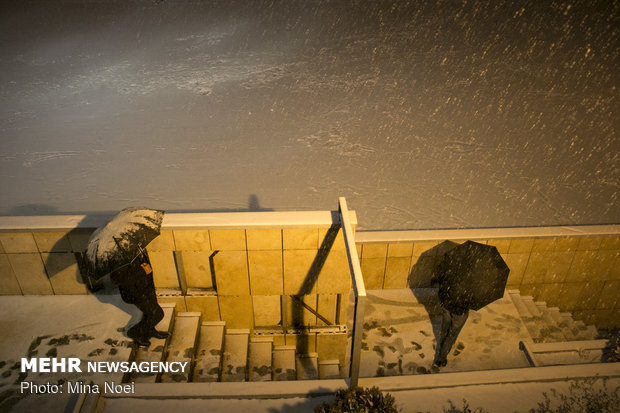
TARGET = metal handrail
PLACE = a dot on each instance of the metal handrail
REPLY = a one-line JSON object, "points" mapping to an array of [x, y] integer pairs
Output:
{"points": [[359, 290]]}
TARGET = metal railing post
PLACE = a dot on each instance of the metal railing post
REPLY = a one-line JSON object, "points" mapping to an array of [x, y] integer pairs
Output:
{"points": [[359, 290]]}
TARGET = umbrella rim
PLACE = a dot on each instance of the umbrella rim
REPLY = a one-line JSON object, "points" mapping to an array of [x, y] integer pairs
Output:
{"points": [[452, 277], [99, 268]]}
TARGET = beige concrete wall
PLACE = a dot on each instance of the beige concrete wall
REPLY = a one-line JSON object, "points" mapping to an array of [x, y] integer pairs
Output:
{"points": [[579, 274], [248, 271], [234, 267], [39, 263]]}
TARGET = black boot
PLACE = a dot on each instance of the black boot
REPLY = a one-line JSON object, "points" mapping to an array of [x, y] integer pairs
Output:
{"points": [[159, 334], [139, 339]]}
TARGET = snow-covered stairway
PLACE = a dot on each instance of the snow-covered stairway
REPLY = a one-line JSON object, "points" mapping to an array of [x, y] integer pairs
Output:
{"points": [[555, 337], [548, 324], [214, 353]]}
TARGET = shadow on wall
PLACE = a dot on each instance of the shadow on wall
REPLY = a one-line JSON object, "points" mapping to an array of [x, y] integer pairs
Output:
{"points": [[309, 282]]}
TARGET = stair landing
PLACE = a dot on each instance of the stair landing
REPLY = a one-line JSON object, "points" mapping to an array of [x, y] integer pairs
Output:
{"points": [[401, 327]]}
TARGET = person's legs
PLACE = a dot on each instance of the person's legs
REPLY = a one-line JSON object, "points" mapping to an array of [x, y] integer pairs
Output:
{"points": [[152, 314], [446, 323], [456, 325], [137, 332], [451, 325]]}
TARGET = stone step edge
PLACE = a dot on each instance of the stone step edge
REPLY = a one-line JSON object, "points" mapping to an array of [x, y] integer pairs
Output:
{"points": [[189, 314], [262, 339], [237, 331], [316, 388], [168, 292], [308, 355], [167, 305], [531, 306], [328, 362], [335, 329], [214, 323], [200, 292], [284, 348]]}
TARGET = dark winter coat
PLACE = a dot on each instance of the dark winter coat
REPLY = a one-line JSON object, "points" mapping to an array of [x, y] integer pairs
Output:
{"points": [[133, 283]]}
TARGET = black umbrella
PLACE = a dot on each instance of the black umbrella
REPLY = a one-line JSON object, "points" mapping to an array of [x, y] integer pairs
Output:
{"points": [[122, 239], [471, 276]]}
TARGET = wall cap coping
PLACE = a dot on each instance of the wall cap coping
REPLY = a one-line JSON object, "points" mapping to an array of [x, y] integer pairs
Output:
{"points": [[485, 233], [183, 221]]}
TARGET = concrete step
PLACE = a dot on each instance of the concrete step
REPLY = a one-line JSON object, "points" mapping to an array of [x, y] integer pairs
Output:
{"points": [[284, 363], [545, 314], [585, 332], [567, 319], [552, 333], [555, 313], [260, 359], [209, 352], [85, 403], [532, 324], [530, 305], [329, 369], [307, 366], [90, 403], [157, 350], [519, 304], [540, 331], [182, 345], [235, 356]]}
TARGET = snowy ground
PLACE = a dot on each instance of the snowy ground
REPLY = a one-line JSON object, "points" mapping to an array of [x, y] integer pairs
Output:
{"points": [[423, 114], [89, 327]]}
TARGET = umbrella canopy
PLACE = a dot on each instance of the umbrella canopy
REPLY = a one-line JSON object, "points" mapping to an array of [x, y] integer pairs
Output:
{"points": [[471, 276], [122, 239]]}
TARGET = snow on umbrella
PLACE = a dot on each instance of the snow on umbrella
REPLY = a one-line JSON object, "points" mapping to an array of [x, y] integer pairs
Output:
{"points": [[471, 276], [122, 239]]}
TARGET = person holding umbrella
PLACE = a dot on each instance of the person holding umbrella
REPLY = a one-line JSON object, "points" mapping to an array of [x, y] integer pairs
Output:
{"points": [[117, 249], [470, 276]]}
